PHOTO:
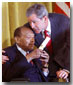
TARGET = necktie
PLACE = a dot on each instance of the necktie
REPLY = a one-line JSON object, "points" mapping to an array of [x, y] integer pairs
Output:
{"points": [[31, 60], [49, 44]]}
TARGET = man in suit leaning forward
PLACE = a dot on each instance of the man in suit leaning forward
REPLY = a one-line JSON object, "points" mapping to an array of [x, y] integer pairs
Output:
{"points": [[57, 26], [24, 63]]}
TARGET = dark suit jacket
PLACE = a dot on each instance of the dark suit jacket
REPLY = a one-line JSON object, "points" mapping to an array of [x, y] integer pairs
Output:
{"points": [[18, 67], [60, 35]]}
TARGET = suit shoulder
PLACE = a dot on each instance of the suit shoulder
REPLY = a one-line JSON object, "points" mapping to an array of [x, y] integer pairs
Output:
{"points": [[57, 15], [59, 18], [10, 50]]}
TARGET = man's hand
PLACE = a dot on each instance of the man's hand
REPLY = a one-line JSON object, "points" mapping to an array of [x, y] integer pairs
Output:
{"points": [[44, 58], [34, 54], [4, 58], [62, 74]]}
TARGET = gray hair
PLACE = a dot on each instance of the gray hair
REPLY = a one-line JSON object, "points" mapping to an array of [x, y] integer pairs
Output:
{"points": [[37, 9]]}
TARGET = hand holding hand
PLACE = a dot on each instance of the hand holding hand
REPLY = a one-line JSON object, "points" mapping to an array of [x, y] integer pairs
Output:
{"points": [[34, 54], [44, 58]]}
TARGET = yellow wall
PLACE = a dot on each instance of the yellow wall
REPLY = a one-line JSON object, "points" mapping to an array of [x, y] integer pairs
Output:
{"points": [[13, 16]]}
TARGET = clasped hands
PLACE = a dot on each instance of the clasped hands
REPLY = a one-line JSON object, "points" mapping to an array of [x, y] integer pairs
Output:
{"points": [[42, 55]]}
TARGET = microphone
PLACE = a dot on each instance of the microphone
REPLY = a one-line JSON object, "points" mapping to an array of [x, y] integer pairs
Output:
{"points": [[43, 45]]}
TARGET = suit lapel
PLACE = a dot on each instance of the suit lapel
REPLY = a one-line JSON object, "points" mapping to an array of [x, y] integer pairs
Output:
{"points": [[39, 66], [19, 55], [53, 32], [38, 39]]}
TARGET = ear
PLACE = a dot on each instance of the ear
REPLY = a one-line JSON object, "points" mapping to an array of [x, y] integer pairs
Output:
{"points": [[17, 39]]}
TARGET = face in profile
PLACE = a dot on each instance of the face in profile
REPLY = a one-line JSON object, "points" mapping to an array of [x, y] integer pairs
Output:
{"points": [[36, 23], [26, 40]]}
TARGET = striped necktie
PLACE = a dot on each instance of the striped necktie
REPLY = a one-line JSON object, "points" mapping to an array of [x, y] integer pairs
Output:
{"points": [[31, 60], [49, 45]]}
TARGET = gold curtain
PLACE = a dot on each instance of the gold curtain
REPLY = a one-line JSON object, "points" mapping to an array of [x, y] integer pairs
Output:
{"points": [[13, 16]]}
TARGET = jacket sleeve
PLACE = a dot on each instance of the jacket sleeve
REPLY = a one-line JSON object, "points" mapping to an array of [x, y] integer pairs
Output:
{"points": [[14, 69], [63, 55]]}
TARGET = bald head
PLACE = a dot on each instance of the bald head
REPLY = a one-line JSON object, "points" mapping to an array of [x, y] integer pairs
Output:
{"points": [[24, 37], [19, 31]]}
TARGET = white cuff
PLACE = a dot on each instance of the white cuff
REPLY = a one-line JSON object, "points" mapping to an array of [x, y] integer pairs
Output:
{"points": [[46, 73]]}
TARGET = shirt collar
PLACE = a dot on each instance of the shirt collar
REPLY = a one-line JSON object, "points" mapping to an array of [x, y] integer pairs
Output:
{"points": [[48, 29], [21, 50], [49, 26]]}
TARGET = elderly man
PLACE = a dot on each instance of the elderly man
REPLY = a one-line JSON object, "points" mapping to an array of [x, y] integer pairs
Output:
{"points": [[24, 63], [57, 27]]}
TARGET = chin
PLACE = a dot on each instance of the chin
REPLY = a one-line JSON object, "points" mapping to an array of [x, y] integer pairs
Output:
{"points": [[37, 32]]}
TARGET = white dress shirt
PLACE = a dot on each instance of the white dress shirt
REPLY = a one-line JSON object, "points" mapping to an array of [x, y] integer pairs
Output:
{"points": [[47, 29], [21, 50], [49, 26]]}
